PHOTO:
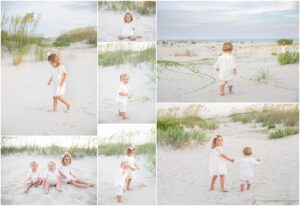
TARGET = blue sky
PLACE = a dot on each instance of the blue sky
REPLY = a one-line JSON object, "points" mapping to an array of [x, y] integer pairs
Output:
{"points": [[56, 16], [227, 20]]}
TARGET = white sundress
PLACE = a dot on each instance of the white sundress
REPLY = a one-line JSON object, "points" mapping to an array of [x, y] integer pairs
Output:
{"points": [[66, 171], [226, 65], [217, 164], [57, 76], [128, 29]]}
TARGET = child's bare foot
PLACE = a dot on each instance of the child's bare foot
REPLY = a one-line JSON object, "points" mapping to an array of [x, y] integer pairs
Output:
{"points": [[26, 191], [124, 117], [91, 185], [222, 94], [129, 189], [52, 110], [46, 192], [69, 107], [59, 189], [211, 189], [223, 190]]}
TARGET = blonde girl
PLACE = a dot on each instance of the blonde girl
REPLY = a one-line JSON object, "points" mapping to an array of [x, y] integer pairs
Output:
{"points": [[131, 165], [58, 80], [217, 163], [67, 175], [128, 31]]}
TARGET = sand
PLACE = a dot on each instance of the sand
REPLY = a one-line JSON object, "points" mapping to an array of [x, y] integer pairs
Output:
{"points": [[199, 83], [26, 97], [111, 24], [144, 187], [141, 108], [13, 175], [276, 180]]}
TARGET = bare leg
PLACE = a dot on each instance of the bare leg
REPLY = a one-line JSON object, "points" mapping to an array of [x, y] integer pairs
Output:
{"points": [[119, 198], [46, 187], [58, 185], [248, 186], [230, 88], [123, 115], [119, 113], [222, 181], [27, 187], [54, 109], [222, 93], [80, 185], [132, 38], [212, 184], [121, 37], [86, 183], [64, 101], [242, 188], [129, 184]]}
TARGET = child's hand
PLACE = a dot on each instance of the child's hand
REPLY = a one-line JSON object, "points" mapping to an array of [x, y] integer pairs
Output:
{"points": [[217, 69], [232, 160], [258, 160], [49, 83], [234, 72]]}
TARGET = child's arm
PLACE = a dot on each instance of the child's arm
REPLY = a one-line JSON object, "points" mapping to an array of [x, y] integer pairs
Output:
{"points": [[63, 79], [234, 71], [123, 94], [61, 174], [50, 80], [227, 158]]}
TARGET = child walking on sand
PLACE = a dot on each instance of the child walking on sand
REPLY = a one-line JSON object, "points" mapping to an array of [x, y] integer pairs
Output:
{"points": [[52, 178], [33, 177], [226, 68], [132, 167], [217, 163], [58, 80], [66, 174], [128, 31], [246, 168], [120, 181], [122, 95]]}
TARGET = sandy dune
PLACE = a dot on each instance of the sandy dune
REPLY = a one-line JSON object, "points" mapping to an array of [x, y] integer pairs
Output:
{"points": [[141, 109], [14, 170], [26, 97], [110, 26], [196, 80], [144, 187], [276, 180]]}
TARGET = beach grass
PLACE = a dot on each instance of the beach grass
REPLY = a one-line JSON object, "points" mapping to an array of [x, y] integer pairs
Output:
{"points": [[167, 63], [283, 132], [262, 76], [142, 7], [288, 58], [186, 53], [284, 41]]}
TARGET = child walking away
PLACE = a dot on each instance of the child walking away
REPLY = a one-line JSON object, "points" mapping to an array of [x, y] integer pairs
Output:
{"points": [[58, 80], [128, 31], [52, 178], [132, 166], [226, 68], [33, 177], [120, 181], [67, 175], [246, 168], [122, 95], [217, 163]]}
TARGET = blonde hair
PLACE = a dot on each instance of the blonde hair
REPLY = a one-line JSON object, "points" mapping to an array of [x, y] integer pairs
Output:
{"points": [[247, 151], [54, 58], [34, 162], [214, 142], [124, 75], [51, 162], [128, 13], [227, 46], [63, 158]]}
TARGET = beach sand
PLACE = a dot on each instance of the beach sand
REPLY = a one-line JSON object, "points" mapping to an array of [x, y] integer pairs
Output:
{"points": [[26, 97], [276, 180], [13, 175], [141, 108], [198, 82], [111, 24], [144, 187]]}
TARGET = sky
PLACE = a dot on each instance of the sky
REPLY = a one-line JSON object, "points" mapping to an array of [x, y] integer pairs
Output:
{"points": [[56, 16], [186, 20]]}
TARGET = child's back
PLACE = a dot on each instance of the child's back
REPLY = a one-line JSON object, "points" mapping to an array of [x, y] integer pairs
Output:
{"points": [[226, 65]]}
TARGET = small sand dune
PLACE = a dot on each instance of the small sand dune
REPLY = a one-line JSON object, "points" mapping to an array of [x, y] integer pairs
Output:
{"points": [[110, 26], [14, 171], [196, 80], [26, 97], [141, 108], [144, 186], [276, 180]]}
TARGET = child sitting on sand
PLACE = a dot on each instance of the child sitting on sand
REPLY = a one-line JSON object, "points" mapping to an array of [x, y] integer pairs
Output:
{"points": [[122, 95], [66, 174], [246, 168], [58, 80], [52, 178], [33, 177], [226, 68], [132, 167], [217, 163], [128, 31], [120, 181]]}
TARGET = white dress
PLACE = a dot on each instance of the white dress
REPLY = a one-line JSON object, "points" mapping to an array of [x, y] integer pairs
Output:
{"points": [[217, 164], [33, 176], [128, 29], [246, 168], [130, 160], [52, 177], [226, 64], [66, 171], [57, 76], [122, 100], [120, 182]]}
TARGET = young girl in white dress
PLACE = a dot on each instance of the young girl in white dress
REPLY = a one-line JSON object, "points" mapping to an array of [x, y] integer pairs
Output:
{"points": [[120, 181], [34, 177], [128, 31], [217, 163], [58, 81], [122, 95], [68, 176], [52, 178], [131, 165]]}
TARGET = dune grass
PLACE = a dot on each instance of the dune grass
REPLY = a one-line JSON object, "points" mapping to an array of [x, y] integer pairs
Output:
{"points": [[284, 41], [288, 58], [283, 132], [262, 76], [119, 57], [167, 63], [141, 7], [186, 53], [84, 34]]}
